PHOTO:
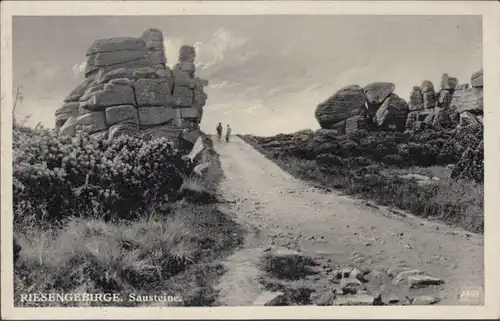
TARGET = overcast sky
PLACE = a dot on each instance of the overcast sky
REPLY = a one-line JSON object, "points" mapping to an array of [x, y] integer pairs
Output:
{"points": [[266, 73]]}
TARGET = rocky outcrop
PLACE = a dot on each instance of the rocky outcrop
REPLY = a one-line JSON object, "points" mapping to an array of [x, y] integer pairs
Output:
{"points": [[129, 90], [376, 107]]}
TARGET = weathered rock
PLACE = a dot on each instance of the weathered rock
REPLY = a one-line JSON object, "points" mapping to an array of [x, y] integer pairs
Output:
{"points": [[444, 98], [116, 44], [471, 100], [105, 59], [322, 299], [118, 130], [183, 96], [69, 127], [429, 99], [154, 92], [439, 118], [457, 94], [157, 57], [66, 111], [393, 111], [167, 131], [354, 124], [187, 54], [345, 103], [416, 99], [128, 88], [377, 92], [113, 94], [189, 112], [183, 78], [468, 119], [132, 74], [191, 136], [103, 134], [415, 119], [163, 73], [267, 298], [427, 86], [79, 90], [122, 114], [452, 83], [92, 122], [156, 115], [137, 63], [351, 285], [444, 81], [476, 79], [420, 280], [358, 299], [407, 273], [201, 168], [152, 34], [424, 300]]}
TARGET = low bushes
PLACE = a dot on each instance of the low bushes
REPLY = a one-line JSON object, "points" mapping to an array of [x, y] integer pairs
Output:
{"points": [[365, 164], [60, 177]]}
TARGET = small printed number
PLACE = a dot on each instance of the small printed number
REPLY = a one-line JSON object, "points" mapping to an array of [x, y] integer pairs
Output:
{"points": [[469, 294]]}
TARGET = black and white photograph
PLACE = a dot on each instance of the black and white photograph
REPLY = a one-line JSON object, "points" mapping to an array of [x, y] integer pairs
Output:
{"points": [[211, 160]]}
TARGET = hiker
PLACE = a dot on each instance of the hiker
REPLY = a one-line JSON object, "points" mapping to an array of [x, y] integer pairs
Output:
{"points": [[219, 131], [228, 133]]}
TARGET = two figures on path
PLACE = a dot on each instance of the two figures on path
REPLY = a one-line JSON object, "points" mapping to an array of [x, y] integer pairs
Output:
{"points": [[219, 132]]}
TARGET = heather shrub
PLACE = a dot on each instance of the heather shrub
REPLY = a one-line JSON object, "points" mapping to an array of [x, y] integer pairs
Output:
{"points": [[56, 177]]}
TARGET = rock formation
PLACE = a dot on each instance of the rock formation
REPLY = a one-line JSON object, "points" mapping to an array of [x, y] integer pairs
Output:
{"points": [[376, 107], [129, 89]]}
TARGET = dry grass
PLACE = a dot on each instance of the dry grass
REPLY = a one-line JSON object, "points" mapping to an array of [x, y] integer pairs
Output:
{"points": [[91, 255]]}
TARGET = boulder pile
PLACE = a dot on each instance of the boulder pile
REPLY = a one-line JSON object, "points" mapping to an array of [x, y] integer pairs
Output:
{"points": [[129, 89], [376, 106]]}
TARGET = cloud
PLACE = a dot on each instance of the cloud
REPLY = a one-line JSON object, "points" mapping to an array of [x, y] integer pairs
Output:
{"points": [[223, 85], [172, 46], [79, 68], [214, 51]]}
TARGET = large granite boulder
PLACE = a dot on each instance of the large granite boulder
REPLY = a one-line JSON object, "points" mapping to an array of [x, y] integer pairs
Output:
{"points": [[392, 113], [428, 93], [345, 103], [416, 101], [377, 92]]}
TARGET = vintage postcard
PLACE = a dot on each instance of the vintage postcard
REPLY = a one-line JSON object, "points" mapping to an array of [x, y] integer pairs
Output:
{"points": [[250, 159]]}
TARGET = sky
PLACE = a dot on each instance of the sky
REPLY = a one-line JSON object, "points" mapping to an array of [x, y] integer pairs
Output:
{"points": [[266, 73]]}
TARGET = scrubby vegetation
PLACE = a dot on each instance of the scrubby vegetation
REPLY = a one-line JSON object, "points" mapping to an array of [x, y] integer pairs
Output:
{"points": [[120, 216], [372, 164]]}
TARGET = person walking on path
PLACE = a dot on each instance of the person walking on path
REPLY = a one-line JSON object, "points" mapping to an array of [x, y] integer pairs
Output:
{"points": [[219, 131], [228, 133]]}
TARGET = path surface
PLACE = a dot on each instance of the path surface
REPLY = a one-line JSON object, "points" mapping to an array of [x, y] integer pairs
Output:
{"points": [[333, 229]]}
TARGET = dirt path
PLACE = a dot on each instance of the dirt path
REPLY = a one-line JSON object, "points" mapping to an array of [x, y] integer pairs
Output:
{"points": [[335, 231]]}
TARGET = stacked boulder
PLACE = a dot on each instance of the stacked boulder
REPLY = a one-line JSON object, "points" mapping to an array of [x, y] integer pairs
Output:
{"points": [[354, 108], [129, 89], [376, 107], [470, 103], [442, 116]]}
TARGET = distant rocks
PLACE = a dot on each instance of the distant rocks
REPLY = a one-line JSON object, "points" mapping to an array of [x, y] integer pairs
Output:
{"points": [[376, 107]]}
